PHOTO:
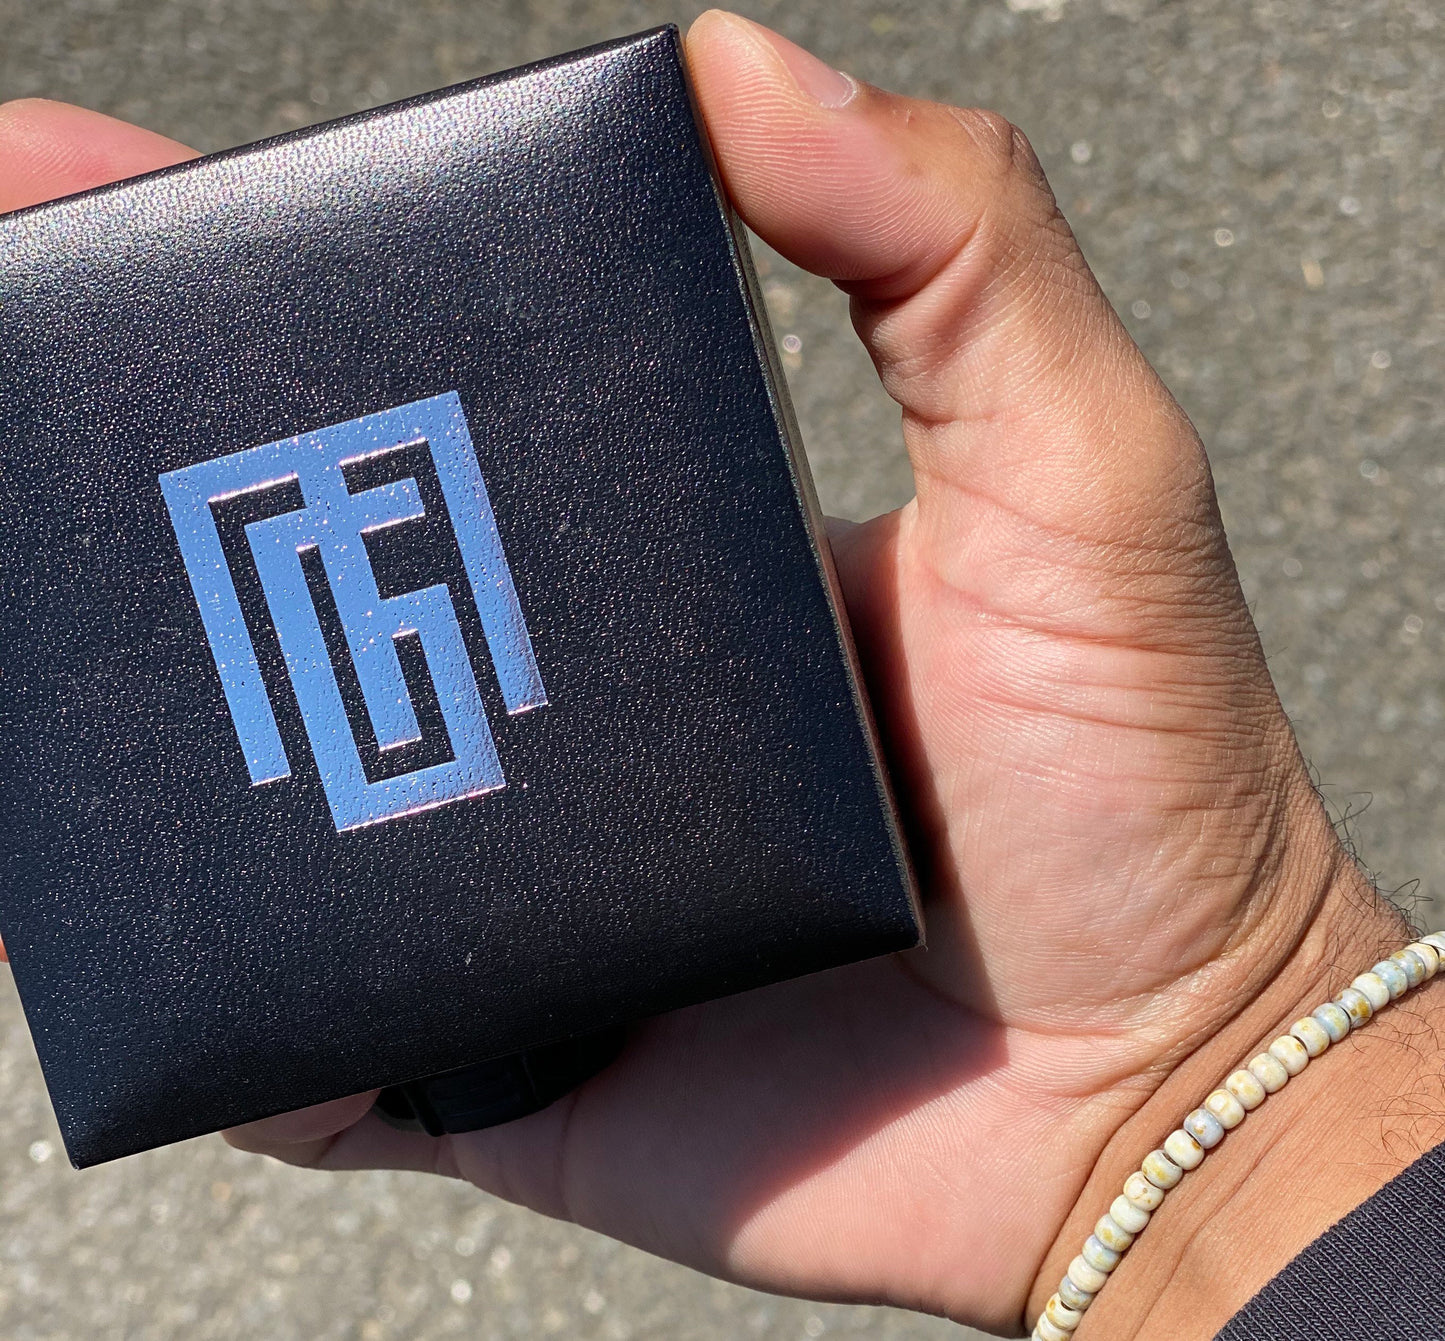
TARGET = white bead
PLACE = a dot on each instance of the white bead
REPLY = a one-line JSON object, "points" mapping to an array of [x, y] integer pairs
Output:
{"points": [[1413, 965], [1312, 1034], [1373, 986], [1127, 1216], [1098, 1255], [1226, 1108], [1047, 1331], [1356, 1005], [1268, 1071], [1436, 941], [1099, 1250], [1160, 1170], [1246, 1088], [1290, 1053], [1142, 1193], [1087, 1278], [1061, 1315], [1333, 1019], [1184, 1150], [1204, 1127], [1074, 1297], [1393, 976], [1428, 955]]}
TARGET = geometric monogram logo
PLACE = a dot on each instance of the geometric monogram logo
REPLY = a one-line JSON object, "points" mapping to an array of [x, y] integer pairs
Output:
{"points": [[334, 522]]}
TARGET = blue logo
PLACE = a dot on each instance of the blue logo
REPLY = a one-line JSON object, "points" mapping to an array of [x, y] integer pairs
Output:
{"points": [[335, 522]]}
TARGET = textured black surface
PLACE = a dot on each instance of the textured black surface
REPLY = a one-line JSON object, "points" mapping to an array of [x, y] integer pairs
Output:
{"points": [[1380, 1272], [698, 808]]}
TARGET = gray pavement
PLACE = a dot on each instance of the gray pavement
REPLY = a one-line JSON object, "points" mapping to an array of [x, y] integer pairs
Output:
{"points": [[1259, 187]]}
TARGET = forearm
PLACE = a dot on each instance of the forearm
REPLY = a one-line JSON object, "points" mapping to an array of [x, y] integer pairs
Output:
{"points": [[1353, 1119]]}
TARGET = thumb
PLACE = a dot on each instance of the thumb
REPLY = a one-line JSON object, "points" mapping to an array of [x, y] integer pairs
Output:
{"points": [[1040, 438]]}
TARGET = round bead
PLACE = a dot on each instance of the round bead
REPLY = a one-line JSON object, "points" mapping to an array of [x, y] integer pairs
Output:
{"points": [[1160, 1170], [1142, 1193], [1436, 941], [1412, 964], [1204, 1127], [1312, 1034], [1184, 1150], [1048, 1331], [1393, 976], [1290, 1053], [1075, 1298], [1246, 1088], [1427, 954], [1086, 1277], [1106, 1245], [1127, 1216], [1373, 986], [1226, 1108], [1268, 1071], [1061, 1315], [1333, 1020], [1356, 1005]]}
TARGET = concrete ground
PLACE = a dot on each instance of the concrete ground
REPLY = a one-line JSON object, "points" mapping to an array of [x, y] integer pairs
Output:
{"points": [[1259, 187]]}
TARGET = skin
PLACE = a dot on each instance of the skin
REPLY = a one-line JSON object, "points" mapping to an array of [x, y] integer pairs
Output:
{"points": [[1130, 882]]}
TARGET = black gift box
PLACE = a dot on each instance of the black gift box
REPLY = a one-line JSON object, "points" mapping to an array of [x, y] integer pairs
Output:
{"points": [[416, 644]]}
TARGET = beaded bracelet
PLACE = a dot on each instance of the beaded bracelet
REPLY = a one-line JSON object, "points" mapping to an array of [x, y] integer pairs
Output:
{"points": [[1223, 1110]]}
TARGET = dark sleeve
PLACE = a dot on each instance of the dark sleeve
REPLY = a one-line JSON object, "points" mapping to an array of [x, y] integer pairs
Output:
{"points": [[1380, 1272]]}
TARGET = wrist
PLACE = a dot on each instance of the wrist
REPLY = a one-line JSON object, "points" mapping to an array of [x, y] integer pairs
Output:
{"points": [[1262, 1195]]}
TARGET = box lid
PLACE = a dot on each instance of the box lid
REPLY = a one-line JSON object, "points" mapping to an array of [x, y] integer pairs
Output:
{"points": [[415, 643]]}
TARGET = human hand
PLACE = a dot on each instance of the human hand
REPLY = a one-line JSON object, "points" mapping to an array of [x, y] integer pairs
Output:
{"points": [[1128, 875]]}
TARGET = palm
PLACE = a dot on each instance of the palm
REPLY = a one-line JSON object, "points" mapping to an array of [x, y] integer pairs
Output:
{"points": [[830, 1135], [771, 1136]]}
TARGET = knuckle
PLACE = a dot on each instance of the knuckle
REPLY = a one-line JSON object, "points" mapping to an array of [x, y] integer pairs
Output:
{"points": [[1000, 148], [1018, 214], [991, 133]]}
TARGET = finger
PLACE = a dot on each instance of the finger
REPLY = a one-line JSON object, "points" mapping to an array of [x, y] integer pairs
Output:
{"points": [[343, 1134], [51, 149], [1034, 425], [305, 1135]]}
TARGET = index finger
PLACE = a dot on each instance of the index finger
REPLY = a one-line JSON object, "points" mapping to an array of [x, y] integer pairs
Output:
{"points": [[51, 149]]}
